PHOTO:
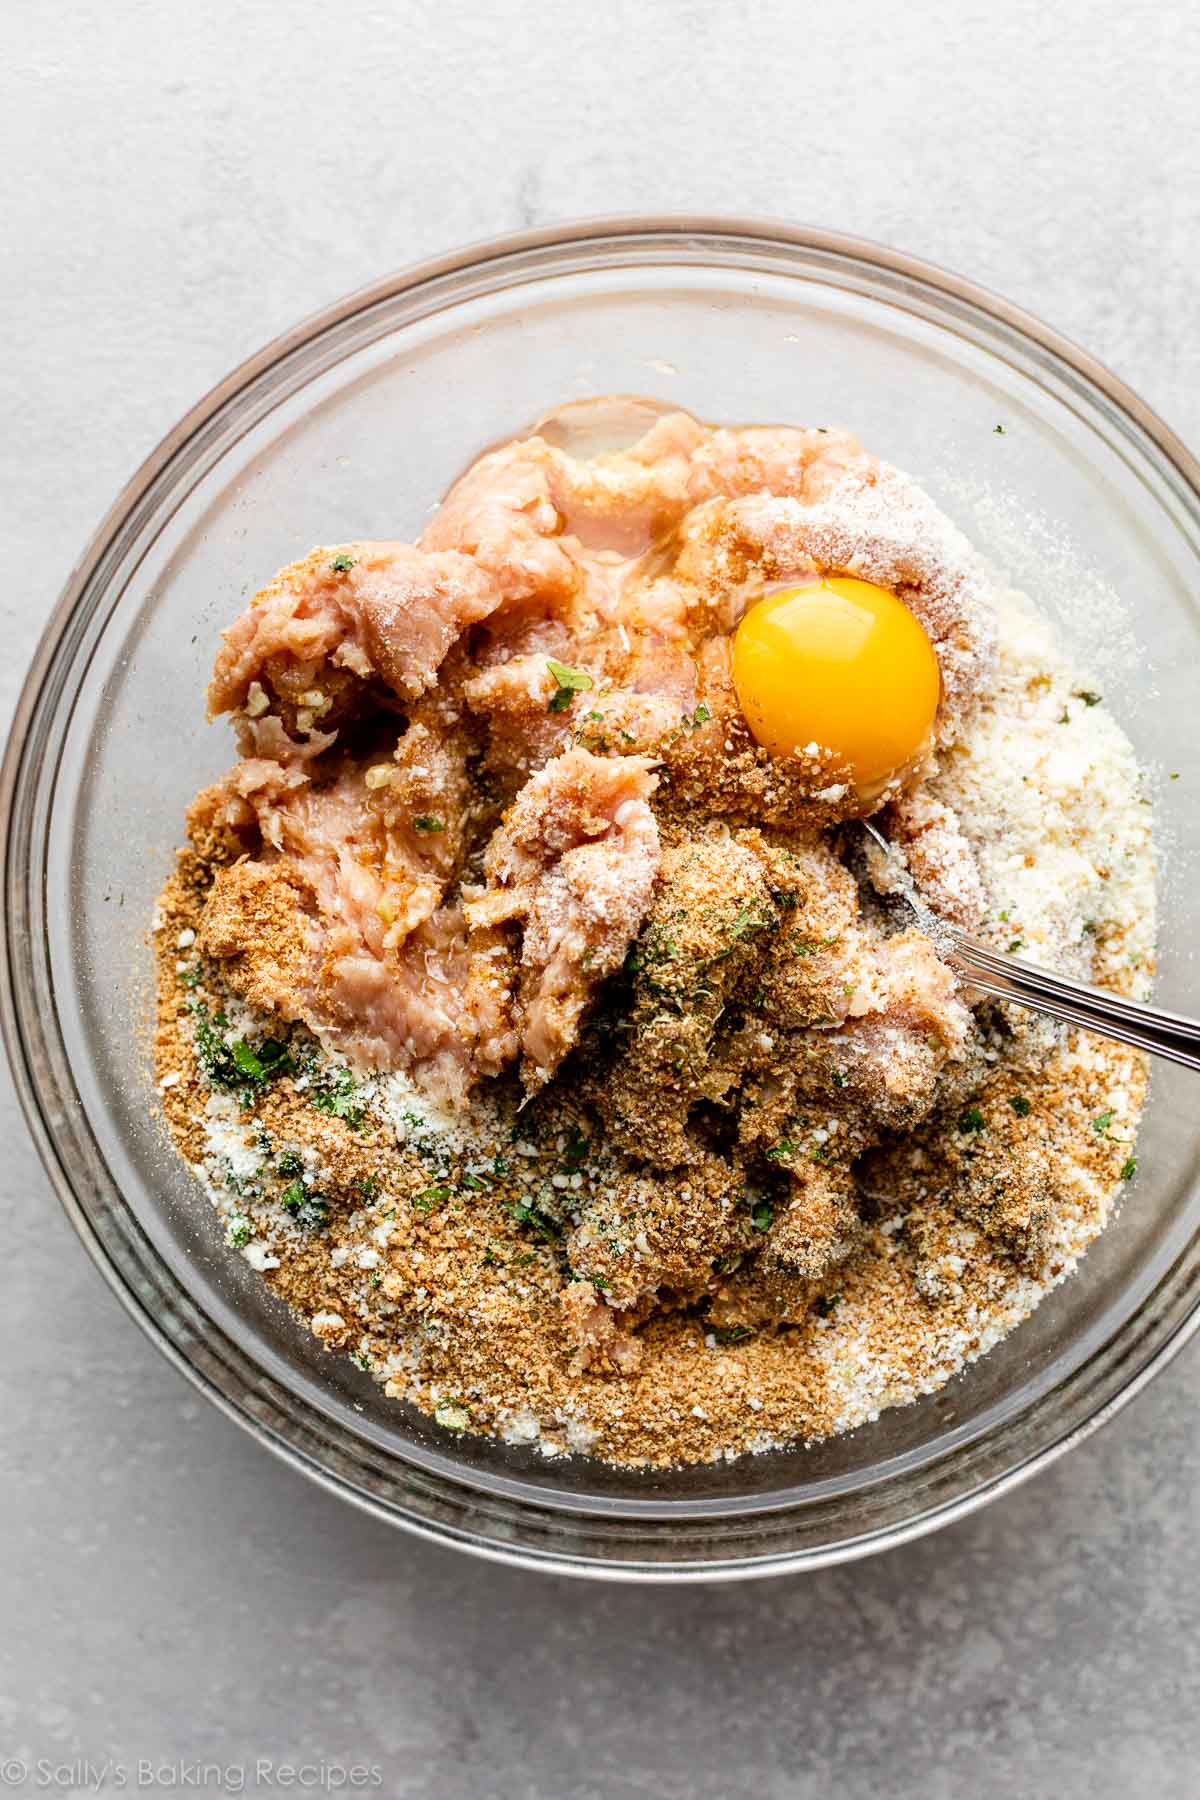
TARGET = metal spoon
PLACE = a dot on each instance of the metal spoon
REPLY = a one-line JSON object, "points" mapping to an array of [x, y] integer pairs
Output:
{"points": [[1004, 977]]}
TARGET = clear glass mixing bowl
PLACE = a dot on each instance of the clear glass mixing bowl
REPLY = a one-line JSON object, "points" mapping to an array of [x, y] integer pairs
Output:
{"points": [[351, 426]]}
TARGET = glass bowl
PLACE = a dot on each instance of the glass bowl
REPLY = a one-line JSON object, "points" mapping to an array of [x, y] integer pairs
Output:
{"points": [[351, 426]]}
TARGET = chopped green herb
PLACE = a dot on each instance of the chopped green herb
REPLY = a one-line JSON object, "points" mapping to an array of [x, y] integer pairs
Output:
{"points": [[743, 924], [428, 822], [239, 1234], [575, 1150], [290, 1163], [309, 1210], [763, 1216], [999, 430], [473, 1184], [784, 1147], [191, 978], [1129, 1168], [1020, 1106], [838, 1079], [1088, 697], [539, 1223], [1102, 1121], [245, 1061], [732, 1334], [825, 1303], [567, 682], [366, 1187], [335, 1092], [970, 1120], [431, 1198], [364, 1362], [342, 564], [235, 1065], [1017, 944], [452, 1414]]}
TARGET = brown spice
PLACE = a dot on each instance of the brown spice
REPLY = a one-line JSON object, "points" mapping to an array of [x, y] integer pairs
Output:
{"points": [[447, 1284]]}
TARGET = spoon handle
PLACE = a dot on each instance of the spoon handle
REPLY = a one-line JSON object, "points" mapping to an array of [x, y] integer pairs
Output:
{"points": [[1165, 1034], [1003, 977]]}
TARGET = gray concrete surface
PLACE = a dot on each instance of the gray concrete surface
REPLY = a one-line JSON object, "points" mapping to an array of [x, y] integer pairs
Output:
{"points": [[181, 183]]}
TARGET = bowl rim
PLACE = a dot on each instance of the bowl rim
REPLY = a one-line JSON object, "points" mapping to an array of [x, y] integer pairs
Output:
{"points": [[476, 255]]}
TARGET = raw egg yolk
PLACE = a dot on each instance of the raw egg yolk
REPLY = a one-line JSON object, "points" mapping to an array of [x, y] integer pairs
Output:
{"points": [[842, 664]]}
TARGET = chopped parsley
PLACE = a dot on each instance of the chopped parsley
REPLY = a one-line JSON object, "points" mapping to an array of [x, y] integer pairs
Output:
{"points": [[825, 1303], [432, 1198], [575, 1150], [970, 1120], [309, 1210], [784, 1147], [838, 1079], [191, 978], [1020, 1106], [1017, 944], [567, 683], [428, 822], [240, 1232], [1087, 696], [540, 1223], [763, 1216], [452, 1414], [335, 1093], [999, 431], [235, 1065], [743, 924], [290, 1162], [1102, 1121], [342, 564], [732, 1334], [1129, 1168]]}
